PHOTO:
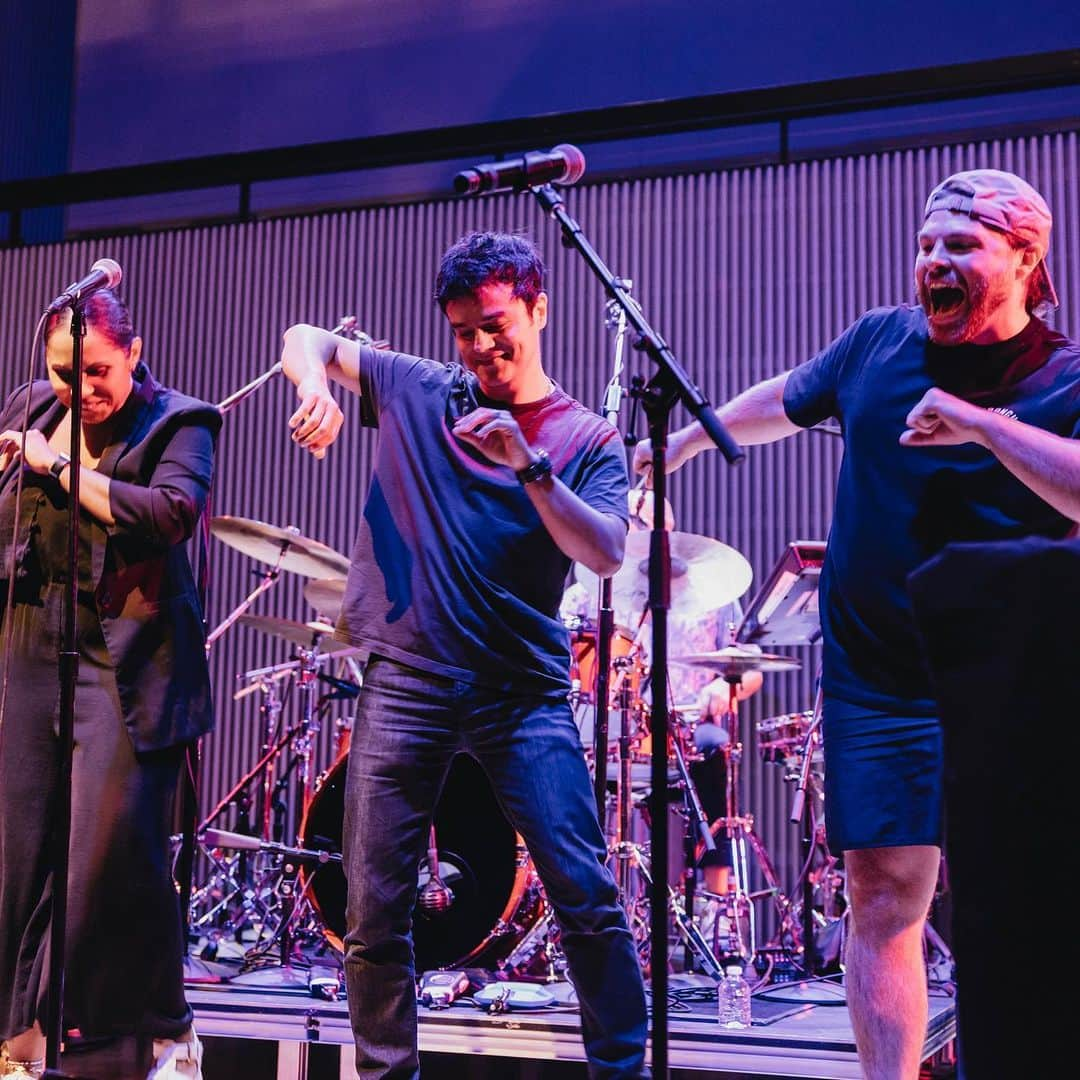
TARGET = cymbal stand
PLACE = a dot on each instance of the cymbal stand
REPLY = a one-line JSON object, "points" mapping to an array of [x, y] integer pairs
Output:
{"points": [[623, 846], [267, 580], [697, 821], [742, 838], [827, 881], [296, 917]]}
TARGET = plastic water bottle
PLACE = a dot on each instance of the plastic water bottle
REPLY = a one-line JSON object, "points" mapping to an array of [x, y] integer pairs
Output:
{"points": [[733, 995]]}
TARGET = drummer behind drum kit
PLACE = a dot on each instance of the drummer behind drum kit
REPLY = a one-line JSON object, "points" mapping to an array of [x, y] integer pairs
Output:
{"points": [[279, 907]]}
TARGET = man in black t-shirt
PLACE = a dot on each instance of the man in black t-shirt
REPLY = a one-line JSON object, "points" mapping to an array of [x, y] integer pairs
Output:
{"points": [[959, 418], [489, 480]]}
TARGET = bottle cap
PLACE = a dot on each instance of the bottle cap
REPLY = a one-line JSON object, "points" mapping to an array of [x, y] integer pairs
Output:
{"points": [[733, 969]]}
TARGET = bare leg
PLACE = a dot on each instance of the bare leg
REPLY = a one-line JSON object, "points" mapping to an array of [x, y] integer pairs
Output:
{"points": [[890, 891]]}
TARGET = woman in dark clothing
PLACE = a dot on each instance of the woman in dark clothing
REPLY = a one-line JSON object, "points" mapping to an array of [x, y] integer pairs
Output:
{"points": [[142, 694]]}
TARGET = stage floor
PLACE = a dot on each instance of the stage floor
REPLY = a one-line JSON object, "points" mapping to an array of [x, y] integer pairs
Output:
{"points": [[798, 1030]]}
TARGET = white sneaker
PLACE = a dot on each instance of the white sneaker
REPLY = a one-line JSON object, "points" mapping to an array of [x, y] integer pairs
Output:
{"points": [[173, 1059], [22, 1070]]}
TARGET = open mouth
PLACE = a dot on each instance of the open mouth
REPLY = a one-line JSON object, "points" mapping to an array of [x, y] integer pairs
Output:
{"points": [[945, 300]]}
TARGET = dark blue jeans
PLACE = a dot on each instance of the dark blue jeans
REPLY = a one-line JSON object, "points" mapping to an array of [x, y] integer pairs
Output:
{"points": [[408, 727]]}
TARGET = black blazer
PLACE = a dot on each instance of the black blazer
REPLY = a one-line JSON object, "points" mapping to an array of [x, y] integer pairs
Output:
{"points": [[160, 465]]}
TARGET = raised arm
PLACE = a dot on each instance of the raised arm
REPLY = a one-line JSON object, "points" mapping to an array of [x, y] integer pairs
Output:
{"points": [[755, 416], [310, 357]]}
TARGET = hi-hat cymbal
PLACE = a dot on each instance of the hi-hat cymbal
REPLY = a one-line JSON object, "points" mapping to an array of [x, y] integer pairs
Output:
{"points": [[308, 634], [705, 575], [734, 660], [269, 543], [325, 595]]}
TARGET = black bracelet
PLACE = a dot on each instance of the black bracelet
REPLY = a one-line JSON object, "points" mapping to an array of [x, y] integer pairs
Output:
{"points": [[539, 468], [59, 465]]}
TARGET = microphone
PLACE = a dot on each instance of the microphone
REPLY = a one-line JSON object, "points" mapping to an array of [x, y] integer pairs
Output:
{"points": [[104, 274], [565, 164], [435, 897]]}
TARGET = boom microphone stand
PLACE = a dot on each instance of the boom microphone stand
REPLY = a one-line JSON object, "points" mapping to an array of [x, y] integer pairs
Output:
{"points": [[669, 384]]}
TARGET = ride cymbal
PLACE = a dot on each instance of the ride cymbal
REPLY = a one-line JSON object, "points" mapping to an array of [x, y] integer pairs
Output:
{"points": [[271, 543], [705, 575], [325, 595], [734, 660]]}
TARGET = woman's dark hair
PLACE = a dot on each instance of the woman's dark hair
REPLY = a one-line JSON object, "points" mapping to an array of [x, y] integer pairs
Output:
{"points": [[481, 257], [106, 313]]}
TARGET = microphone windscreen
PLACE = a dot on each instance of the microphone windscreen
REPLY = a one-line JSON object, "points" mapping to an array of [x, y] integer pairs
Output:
{"points": [[111, 269], [575, 162]]}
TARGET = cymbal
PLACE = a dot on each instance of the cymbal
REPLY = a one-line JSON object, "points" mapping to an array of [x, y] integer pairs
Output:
{"points": [[733, 660], [705, 575], [308, 634], [267, 542], [325, 595]]}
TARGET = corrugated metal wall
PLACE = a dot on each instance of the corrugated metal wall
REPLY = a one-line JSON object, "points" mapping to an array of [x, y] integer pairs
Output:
{"points": [[745, 272]]}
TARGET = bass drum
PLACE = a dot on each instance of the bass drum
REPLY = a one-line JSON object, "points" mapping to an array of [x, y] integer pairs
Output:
{"points": [[482, 860]]}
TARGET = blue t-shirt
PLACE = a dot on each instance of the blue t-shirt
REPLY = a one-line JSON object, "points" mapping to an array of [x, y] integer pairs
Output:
{"points": [[453, 571], [896, 505]]}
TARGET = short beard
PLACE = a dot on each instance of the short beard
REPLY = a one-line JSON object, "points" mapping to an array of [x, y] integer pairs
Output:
{"points": [[983, 297]]}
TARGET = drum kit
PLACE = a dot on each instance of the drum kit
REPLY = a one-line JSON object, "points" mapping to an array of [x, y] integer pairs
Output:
{"points": [[273, 895], [720, 844]]}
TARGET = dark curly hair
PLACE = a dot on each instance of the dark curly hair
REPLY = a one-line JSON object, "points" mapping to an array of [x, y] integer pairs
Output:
{"points": [[481, 257]]}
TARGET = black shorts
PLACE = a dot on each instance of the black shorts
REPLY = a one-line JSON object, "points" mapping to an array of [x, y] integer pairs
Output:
{"points": [[883, 778]]}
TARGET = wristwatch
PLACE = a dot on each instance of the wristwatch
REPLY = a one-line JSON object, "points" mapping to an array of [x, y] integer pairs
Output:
{"points": [[59, 465], [537, 469]]}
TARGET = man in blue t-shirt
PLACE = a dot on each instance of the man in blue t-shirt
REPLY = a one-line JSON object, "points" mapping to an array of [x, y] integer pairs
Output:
{"points": [[959, 417], [489, 481]]}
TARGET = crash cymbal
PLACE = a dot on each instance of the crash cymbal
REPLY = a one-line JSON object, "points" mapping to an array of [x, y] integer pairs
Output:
{"points": [[705, 575], [308, 634], [325, 596], [267, 542], [734, 660]]}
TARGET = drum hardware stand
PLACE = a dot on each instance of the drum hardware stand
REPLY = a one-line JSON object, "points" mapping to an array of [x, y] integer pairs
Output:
{"points": [[605, 622], [267, 580], [254, 885], [695, 820], [347, 327], [294, 908], [802, 815], [741, 833], [541, 940]]}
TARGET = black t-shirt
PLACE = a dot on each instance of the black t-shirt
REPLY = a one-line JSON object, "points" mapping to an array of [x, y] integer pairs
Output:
{"points": [[896, 505], [453, 571]]}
